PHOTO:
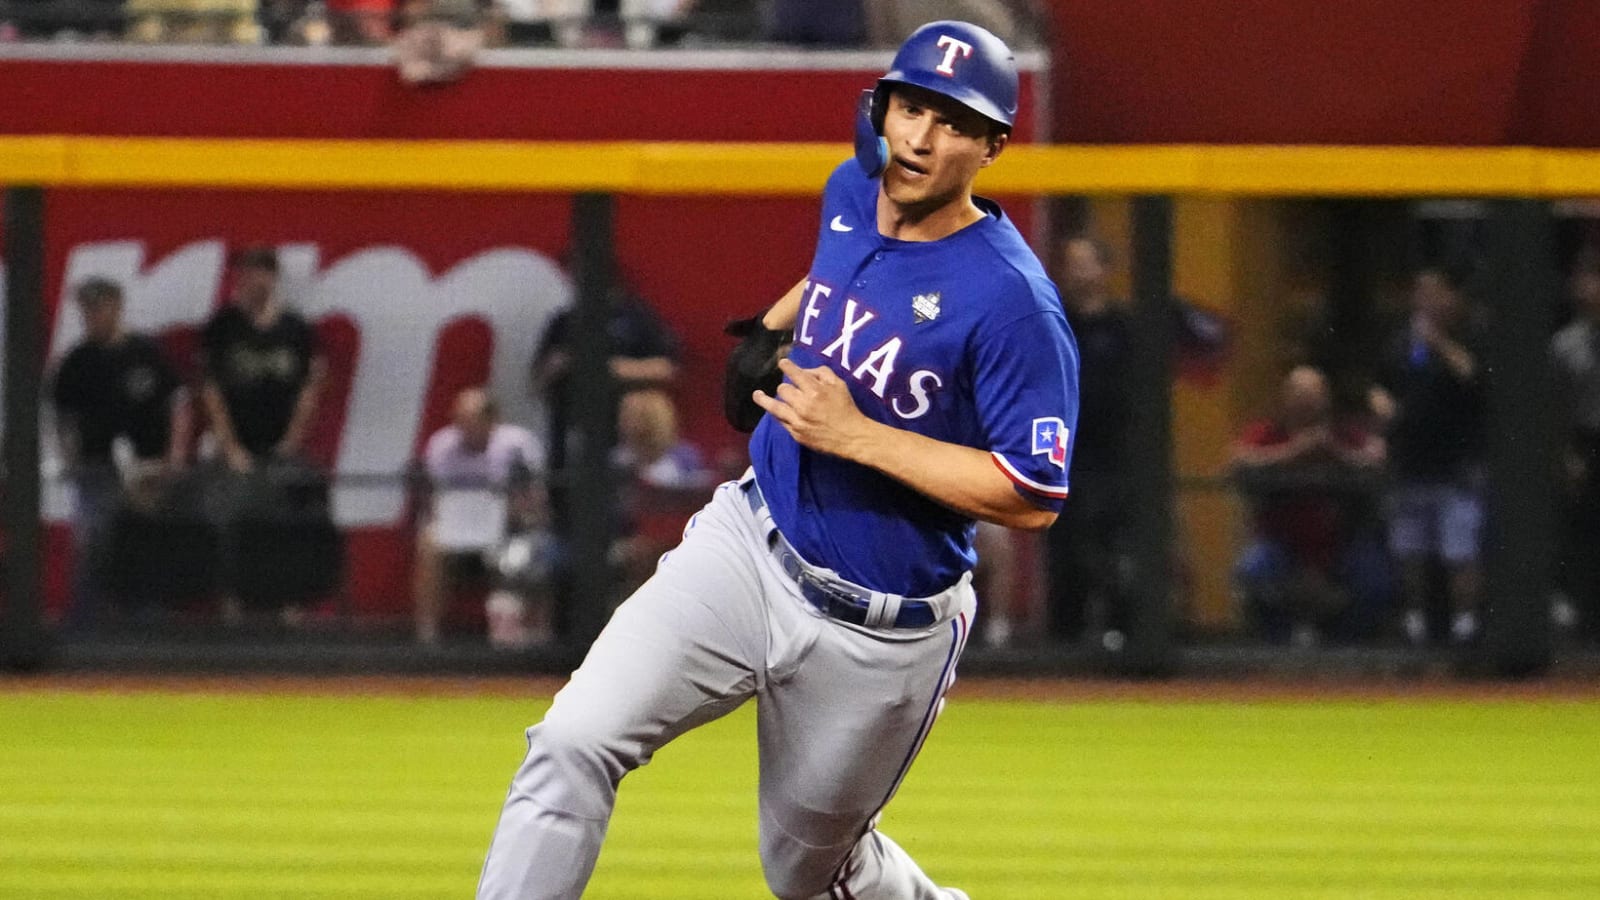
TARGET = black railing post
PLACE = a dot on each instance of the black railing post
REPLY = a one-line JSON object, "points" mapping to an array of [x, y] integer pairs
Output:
{"points": [[1521, 526], [23, 641], [590, 487], [1149, 649]]}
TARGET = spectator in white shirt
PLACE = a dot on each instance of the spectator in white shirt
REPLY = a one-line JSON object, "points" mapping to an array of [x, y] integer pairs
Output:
{"points": [[479, 480]]}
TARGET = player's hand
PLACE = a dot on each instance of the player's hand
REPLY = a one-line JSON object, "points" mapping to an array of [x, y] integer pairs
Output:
{"points": [[816, 408]]}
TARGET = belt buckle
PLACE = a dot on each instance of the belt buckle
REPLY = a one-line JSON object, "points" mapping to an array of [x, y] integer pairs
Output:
{"points": [[842, 604]]}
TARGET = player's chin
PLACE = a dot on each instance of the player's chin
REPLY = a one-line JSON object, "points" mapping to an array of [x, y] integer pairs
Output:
{"points": [[912, 195]]}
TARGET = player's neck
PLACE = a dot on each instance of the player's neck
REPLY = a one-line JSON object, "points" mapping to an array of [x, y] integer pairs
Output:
{"points": [[919, 222]]}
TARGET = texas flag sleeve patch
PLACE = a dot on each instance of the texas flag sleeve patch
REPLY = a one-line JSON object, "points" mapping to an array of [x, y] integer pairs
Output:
{"points": [[1027, 387]]}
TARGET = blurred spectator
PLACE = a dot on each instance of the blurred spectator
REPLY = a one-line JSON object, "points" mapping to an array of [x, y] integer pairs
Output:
{"points": [[438, 39], [120, 413], [667, 480], [1087, 542], [194, 22], [262, 368], [821, 23], [1006, 616], [484, 519], [648, 22], [649, 447], [890, 22], [641, 352], [1430, 397], [1576, 351], [62, 20], [370, 23], [262, 377], [1315, 566]]}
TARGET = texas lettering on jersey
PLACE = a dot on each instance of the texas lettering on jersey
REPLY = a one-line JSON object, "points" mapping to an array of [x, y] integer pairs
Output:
{"points": [[874, 368], [963, 340]]}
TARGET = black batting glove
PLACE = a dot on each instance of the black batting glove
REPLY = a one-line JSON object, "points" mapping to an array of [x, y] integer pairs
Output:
{"points": [[752, 366]]}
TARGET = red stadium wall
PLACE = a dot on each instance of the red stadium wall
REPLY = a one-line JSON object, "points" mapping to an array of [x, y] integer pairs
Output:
{"points": [[419, 294], [1444, 72]]}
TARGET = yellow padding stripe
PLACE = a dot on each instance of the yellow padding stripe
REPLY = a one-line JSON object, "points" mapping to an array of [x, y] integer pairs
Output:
{"points": [[776, 169]]}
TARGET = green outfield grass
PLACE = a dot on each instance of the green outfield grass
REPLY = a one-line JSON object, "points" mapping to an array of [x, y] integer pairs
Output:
{"points": [[155, 795]]}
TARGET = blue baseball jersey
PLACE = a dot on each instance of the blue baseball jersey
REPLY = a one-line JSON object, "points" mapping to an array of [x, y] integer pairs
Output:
{"points": [[961, 339]]}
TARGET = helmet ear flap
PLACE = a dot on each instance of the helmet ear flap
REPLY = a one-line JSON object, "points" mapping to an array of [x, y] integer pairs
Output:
{"points": [[872, 151]]}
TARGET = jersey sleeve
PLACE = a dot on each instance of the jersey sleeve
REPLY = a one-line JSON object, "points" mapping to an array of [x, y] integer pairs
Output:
{"points": [[1026, 387]]}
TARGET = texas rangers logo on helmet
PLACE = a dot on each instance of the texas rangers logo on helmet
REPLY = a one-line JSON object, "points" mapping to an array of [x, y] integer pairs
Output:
{"points": [[952, 48], [1050, 439]]}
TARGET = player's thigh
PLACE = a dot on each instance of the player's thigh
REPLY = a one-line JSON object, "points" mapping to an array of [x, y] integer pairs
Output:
{"points": [[682, 650], [837, 738]]}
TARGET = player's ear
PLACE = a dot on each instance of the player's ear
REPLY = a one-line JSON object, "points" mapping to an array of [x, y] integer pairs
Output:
{"points": [[997, 142]]}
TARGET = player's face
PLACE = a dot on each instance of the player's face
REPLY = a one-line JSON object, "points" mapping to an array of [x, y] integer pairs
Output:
{"points": [[936, 147]]}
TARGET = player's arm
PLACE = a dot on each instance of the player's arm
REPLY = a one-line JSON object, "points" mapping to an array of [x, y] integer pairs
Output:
{"points": [[786, 311], [752, 365], [816, 407]]}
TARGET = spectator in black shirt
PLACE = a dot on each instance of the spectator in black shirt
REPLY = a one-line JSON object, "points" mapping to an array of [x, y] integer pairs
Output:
{"points": [[1430, 397], [641, 353], [1086, 542], [262, 376], [262, 368], [114, 386]]}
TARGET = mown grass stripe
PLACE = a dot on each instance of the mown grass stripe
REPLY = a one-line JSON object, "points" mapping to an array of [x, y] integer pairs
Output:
{"points": [[235, 798]]}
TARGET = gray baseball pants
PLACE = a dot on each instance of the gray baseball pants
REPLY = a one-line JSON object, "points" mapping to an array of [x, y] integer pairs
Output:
{"points": [[841, 712]]}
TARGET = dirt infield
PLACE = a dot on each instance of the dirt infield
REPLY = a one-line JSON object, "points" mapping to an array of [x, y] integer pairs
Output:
{"points": [[1044, 690]]}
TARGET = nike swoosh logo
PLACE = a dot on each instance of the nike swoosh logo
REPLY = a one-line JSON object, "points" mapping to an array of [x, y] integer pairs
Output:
{"points": [[838, 224]]}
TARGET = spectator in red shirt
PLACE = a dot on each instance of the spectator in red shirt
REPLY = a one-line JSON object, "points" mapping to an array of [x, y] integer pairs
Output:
{"points": [[1315, 566]]}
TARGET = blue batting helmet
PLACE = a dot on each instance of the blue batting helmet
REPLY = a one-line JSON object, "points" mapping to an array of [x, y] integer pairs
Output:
{"points": [[957, 59]]}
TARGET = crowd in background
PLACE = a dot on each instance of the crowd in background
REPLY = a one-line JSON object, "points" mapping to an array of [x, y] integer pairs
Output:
{"points": [[191, 481], [472, 24], [1364, 509]]}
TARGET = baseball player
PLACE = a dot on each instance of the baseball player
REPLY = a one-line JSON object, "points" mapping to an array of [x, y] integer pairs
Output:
{"points": [[930, 381]]}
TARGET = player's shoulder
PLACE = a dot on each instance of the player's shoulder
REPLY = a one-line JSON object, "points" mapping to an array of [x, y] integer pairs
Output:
{"points": [[848, 183], [1020, 285], [848, 174]]}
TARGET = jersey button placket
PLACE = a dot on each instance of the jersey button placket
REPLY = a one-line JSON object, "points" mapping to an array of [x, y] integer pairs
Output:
{"points": [[877, 256]]}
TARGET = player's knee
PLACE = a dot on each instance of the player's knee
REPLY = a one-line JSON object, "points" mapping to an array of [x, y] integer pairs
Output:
{"points": [[572, 766], [795, 869], [796, 884]]}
